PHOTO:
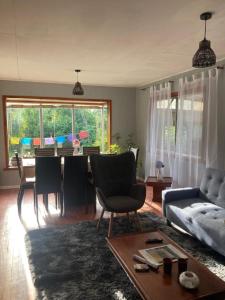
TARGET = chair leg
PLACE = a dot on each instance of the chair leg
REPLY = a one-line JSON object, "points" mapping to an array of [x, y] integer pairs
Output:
{"points": [[36, 205], [128, 216], [110, 225], [19, 201], [34, 195], [61, 203], [46, 201], [56, 200], [99, 220], [137, 221]]}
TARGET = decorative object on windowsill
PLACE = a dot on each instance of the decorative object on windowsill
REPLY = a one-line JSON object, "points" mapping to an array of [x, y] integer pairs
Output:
{"points": [[78, 89], [76, 146], [205, 56], [13, 161], [159, 165], [189, 280]]}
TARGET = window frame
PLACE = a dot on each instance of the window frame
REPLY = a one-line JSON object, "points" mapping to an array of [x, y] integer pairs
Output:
{"points": [[49, 100]]}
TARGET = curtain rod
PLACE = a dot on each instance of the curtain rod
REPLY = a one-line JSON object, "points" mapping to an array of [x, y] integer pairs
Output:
{"points": [[177, 76]]}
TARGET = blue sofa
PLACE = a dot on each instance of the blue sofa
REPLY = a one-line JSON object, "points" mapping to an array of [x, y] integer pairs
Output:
{"points": [[200, 211]]}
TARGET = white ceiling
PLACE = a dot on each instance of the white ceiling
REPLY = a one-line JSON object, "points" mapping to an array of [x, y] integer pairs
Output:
{"points": [[116, 43]]}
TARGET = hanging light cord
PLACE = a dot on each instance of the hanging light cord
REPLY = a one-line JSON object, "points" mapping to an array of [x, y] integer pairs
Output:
{"points": [[205, 31]]}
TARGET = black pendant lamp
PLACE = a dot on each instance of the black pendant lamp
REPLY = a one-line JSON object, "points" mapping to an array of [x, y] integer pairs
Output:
{"points": [[78, 90], [205, 56]]}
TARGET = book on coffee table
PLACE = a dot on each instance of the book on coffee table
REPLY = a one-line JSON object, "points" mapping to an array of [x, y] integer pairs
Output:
{"points": [[156, 255]]}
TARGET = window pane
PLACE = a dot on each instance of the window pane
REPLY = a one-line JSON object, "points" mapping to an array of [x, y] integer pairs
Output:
{"points": [[167, 117], [191, 120], [23, 125], [91, 126], [57, 122]]}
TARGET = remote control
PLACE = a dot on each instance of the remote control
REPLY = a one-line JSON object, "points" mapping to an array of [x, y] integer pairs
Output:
{"points": [[153, 241], [144, 261]]}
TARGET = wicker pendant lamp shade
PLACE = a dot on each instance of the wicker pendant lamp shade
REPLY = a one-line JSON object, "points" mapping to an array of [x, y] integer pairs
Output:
{"points": [[78, 89], [204, 56]]}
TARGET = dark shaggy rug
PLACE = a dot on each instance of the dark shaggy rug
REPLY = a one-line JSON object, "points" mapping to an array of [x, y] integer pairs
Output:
{"points": [[74, 262]]}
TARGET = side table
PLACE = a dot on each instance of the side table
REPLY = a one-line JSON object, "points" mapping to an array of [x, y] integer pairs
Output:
{"points": [[158, 186]]}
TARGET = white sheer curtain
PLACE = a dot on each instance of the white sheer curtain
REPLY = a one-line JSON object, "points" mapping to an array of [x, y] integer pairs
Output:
{"points": [[160, 140], [197, 128]]}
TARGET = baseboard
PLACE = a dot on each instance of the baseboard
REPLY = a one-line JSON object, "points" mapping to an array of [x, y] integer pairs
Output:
{"points": [[9, 187]]}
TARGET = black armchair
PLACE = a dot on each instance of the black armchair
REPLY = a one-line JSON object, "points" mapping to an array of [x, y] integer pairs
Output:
{"points": [[116, 188]]}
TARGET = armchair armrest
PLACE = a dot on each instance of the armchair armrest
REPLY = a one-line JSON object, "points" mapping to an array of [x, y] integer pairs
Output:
{"points": [[138, 191], [172, 195]]}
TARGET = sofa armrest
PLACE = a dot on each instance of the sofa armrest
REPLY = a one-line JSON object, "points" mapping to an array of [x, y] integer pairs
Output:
{"points": [[138, 191], [172, 195]]}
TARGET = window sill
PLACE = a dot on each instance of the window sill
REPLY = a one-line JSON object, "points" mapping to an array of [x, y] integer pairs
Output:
{"points": [[10, 168]]}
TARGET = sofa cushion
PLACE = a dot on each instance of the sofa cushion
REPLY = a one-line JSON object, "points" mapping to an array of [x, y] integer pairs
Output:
{"points": [[202, 219], [182, 212], [213, 186]]}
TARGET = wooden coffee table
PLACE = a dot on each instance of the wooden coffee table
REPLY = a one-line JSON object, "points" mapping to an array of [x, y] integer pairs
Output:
{"points": [[157, 286]]}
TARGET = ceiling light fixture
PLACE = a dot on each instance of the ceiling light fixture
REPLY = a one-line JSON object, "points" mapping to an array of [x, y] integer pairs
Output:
{"points": [[78, 90], [205, 56]]}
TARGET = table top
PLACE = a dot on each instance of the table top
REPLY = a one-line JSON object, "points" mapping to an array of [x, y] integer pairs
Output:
{"points": [[151, 180], [155, 285]]}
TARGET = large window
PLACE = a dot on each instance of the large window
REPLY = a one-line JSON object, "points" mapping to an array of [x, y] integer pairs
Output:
{"points": [[39, 123], [191, 115]]}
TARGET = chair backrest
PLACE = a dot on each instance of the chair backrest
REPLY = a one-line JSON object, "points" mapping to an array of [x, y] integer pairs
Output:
{"points": [[19, 164], [75, 180], [114, 174], [67, 151], [136, 153], [44, 151], [48, 174], [91, 150]]}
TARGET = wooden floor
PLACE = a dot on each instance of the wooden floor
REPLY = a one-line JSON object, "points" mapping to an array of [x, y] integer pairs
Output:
{"points": [[15, 277]]}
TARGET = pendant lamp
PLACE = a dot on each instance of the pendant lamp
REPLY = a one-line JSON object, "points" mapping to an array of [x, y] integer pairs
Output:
{"points": [[78, 90], [205, 56]]}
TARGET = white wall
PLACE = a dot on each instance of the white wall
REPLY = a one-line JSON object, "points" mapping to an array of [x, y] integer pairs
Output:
{"points": [[142, 96], [123, 110]]}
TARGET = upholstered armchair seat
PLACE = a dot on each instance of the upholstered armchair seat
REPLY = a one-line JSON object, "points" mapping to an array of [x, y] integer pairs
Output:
{"points": [[123, 203]]}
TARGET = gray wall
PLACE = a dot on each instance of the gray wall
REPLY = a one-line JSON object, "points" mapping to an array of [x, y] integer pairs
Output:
{"points": [[123, 110]]}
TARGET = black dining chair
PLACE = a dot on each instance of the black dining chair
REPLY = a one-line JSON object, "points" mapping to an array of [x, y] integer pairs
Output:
{"points": [[44, 151], [77, 190], [91, 150], [48, 179], [26, 183], [116, 188], [66, 151]]}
